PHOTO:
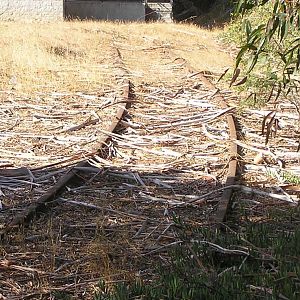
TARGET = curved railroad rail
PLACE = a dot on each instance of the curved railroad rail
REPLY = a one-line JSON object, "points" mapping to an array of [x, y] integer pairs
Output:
{"points": [[219, 215], [50, 195]]}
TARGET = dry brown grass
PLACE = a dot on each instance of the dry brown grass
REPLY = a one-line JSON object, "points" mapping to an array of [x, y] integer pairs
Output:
{"points": [[72, 56]]}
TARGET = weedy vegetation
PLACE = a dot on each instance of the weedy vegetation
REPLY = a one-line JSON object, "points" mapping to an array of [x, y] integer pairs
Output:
{"points": [[259, 261]]}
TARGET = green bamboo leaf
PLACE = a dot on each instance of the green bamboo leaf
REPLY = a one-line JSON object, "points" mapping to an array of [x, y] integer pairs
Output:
{"points": [[238, 8], [289, 58], [276, 5], [284, 30], [292, 49], [252, 47], [256, 34], [261, 44], [253, 63], [275, 24], [240, 55], [282, 56], [248, 29]]}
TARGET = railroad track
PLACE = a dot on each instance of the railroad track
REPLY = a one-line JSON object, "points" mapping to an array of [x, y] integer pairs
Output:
{"points": [[112, 211], [40, 205], [171, 162]]}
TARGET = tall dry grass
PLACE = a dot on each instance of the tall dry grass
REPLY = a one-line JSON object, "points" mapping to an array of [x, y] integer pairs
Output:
{"points": [[71, 56]]}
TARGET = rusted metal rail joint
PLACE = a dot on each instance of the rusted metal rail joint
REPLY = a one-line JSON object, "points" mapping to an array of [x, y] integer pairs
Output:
{"points": [[43, 202]]}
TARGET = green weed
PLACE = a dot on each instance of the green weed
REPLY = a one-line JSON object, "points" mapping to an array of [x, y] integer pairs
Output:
{"points": [[200, 270]]}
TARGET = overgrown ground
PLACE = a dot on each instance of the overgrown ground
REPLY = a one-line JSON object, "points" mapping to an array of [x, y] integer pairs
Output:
{"points": [[75, 56], [53, 68], [136, 242]]}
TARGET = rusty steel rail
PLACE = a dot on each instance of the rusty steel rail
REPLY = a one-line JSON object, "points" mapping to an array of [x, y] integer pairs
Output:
{"points": [[219, 215], [217, 218], [42, 203]]}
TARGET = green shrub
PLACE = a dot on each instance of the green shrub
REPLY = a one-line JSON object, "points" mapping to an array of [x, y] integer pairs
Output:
{"points": [[267, 33]]}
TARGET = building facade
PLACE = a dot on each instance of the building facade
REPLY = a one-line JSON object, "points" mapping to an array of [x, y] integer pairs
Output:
{"points": [[51, 10], [125, 10]]}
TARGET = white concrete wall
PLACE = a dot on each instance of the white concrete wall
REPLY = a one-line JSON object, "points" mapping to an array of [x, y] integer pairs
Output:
{"points": [[107, 10], [159, 11], [43, 10]]}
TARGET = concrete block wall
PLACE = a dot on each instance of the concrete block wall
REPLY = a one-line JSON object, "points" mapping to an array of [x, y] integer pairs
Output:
{"points": [[42, 10], [126, 10]]}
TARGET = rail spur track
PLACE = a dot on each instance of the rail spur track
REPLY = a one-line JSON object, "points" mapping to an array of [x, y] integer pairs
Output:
{"points": [[114, 213]]}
